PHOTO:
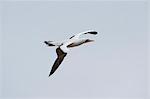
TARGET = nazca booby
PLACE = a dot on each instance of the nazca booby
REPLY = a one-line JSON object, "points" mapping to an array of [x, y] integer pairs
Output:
{"points": [[63, 47]]}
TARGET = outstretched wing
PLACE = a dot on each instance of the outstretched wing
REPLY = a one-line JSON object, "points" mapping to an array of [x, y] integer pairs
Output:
{"points": [[82, 33], [58, 61]]}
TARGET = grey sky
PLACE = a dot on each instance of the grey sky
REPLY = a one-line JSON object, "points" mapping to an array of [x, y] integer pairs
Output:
{"points": [[114, 66]]}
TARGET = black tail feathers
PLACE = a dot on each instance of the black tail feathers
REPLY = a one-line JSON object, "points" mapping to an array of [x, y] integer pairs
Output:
{"points": [[49, 44]]}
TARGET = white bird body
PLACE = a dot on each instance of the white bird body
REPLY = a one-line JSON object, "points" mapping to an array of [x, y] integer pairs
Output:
{"points": [[63, 47], [72, 43]]}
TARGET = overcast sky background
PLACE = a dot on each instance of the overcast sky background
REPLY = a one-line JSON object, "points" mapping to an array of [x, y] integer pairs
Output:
{"points": [[114, 66]]}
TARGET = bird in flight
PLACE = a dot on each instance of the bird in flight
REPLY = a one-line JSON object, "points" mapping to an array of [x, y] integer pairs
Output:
{"points": [[64, 47]]}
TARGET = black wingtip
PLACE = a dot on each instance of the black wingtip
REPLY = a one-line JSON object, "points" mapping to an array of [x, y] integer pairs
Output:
{"points": [[49, 75], [93, 32]]}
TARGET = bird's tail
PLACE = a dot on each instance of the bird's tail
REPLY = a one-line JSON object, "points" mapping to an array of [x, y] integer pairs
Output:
{"points": [[52, 43]]}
